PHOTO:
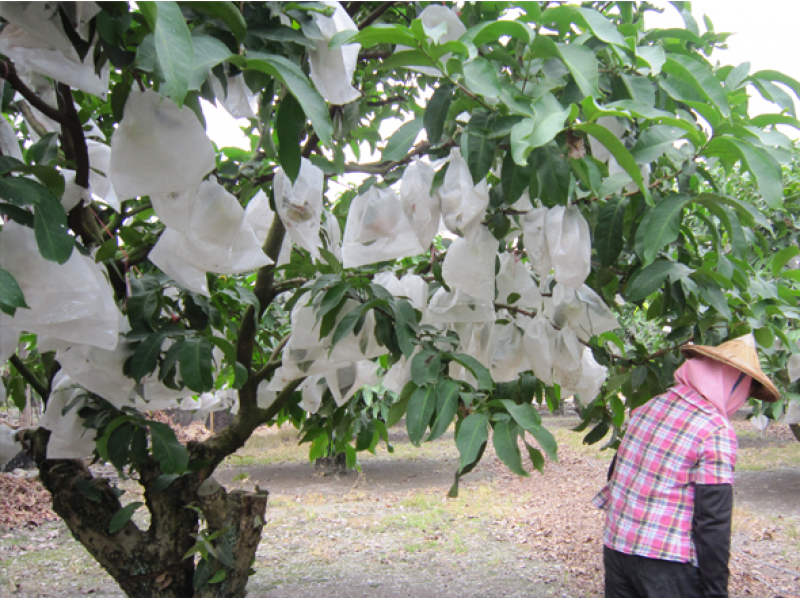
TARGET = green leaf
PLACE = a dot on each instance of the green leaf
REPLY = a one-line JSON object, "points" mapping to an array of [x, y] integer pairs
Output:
{"points": [[715, 298], [515, 178], [171, 455], [208, 53], [346, 325], [380, 33], [122, 516], [546, 441], [162, 482], [472, 434], [447, 395], [174, 50], [87, 489], [145, 359], [664, 225], [474, 366], [766, 170], [552, 173], [289, 125], [11, 296], [480, 76], [226, 11], [435, 115], [196, 363], [646, 281], [491, 31], [747, 213], [119, 443], [654, 142], [425, 367], [608, 234], [583, 65], [217, 577], [701, 79], [504, 439], [597, 433], [619, 152], [480, 156], [420, 410], [293, 78], [789, 82], [51, 232], [24, 192], [536, 458], [525, 415], [398, 146], [601, 27], [398, 409], [777, 263]]}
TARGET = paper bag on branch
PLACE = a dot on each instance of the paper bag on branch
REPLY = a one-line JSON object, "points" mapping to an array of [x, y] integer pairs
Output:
{"points": [[463, 204], [581, 309], [469, 264], [457, 307], [299, 205], [422, 211], [377, 230], [68, 437], [514, 278], [570, 245], [332, 69], [539, 342]]}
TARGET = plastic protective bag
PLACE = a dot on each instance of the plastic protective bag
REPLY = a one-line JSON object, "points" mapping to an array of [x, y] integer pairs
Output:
{"points": [[72, 302], [9, 144], [567, 361], [508, 352], [592, 377], [539, 342], [463, 204], [570, 245], [535, 236], [236, 98], [259, 216], [475, 340], [792, 415], [469, 264], [73, 193], [9, 338], [312, 391], [581, 309], [158, 148], [345, 381], [760, 424], [9, 446], [99, 184], [35, 39], [174, 209], [457, 307], [793, 366], [218, 238], [432, 18], [299, 205], [377, 229], [399, 374], [419, 206], [514, 278], [332, 69], [68, 437]]}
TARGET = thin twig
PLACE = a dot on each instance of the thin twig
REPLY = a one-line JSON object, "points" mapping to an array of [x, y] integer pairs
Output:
{"points": [[375, 15], [29, 376]]}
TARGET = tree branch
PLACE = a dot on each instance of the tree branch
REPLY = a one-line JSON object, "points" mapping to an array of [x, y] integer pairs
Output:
{"points": [[375, 15], [28, 375], [9, 73], [390, 100]]}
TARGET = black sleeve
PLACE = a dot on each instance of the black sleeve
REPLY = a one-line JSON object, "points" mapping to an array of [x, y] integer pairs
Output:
{"points": [[711, 529], [611, 468]]}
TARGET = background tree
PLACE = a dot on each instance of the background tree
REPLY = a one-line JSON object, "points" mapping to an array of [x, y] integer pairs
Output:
{"points": [[577, 160]]}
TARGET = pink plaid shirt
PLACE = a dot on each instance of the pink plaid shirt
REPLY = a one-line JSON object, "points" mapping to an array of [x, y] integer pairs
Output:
{"points": [[673, 442]]}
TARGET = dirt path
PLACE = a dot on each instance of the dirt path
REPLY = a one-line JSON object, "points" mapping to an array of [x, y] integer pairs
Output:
{"points": [[392, 532]]}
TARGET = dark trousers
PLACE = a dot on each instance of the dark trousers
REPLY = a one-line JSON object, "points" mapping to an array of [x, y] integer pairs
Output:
{"points": [[629, 576]]}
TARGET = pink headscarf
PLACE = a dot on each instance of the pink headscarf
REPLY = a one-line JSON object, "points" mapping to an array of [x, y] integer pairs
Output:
{"points": [[716, 382]]}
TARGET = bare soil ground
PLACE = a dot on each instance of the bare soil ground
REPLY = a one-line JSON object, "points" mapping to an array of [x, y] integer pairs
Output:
{"points": [[391, 531]]}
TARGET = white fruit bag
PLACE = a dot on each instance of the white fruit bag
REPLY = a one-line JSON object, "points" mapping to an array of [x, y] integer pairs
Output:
{"points": [[9, 445], [463, 204], [99, 183], [331, 235], [539, 342], [535, 237], [259, 216], [581, 309], [332, 69], [415, 288], [432, 18], [514, 278], [792, 415], [68, 437], [593, 375], [299, 205], [72, 302], [508, 352], [570, 245], [469, 264], [174, 209], [8, 343], [165, 255], [158, 147], [345, 381], [399, 374], [236, 98], [9, 143], [457, 307], [567, 361], [760, 424], [312, 391], [421, 210], [793, 366], [377, 229], [389, 282]]}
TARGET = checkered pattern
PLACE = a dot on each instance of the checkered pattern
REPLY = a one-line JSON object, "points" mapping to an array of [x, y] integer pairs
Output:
{"points": [[674, 441]]}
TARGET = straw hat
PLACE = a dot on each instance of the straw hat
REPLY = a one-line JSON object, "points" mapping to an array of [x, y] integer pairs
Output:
{"points": [[741, 354]]}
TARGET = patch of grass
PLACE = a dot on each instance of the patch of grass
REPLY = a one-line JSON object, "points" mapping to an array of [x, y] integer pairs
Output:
{"points": [[769, 458]]}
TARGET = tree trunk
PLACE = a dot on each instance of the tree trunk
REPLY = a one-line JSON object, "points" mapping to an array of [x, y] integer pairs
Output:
{"points": [[150, 563]]}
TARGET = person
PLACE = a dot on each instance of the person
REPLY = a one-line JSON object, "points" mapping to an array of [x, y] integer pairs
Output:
{"points": [[669, 497]]}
